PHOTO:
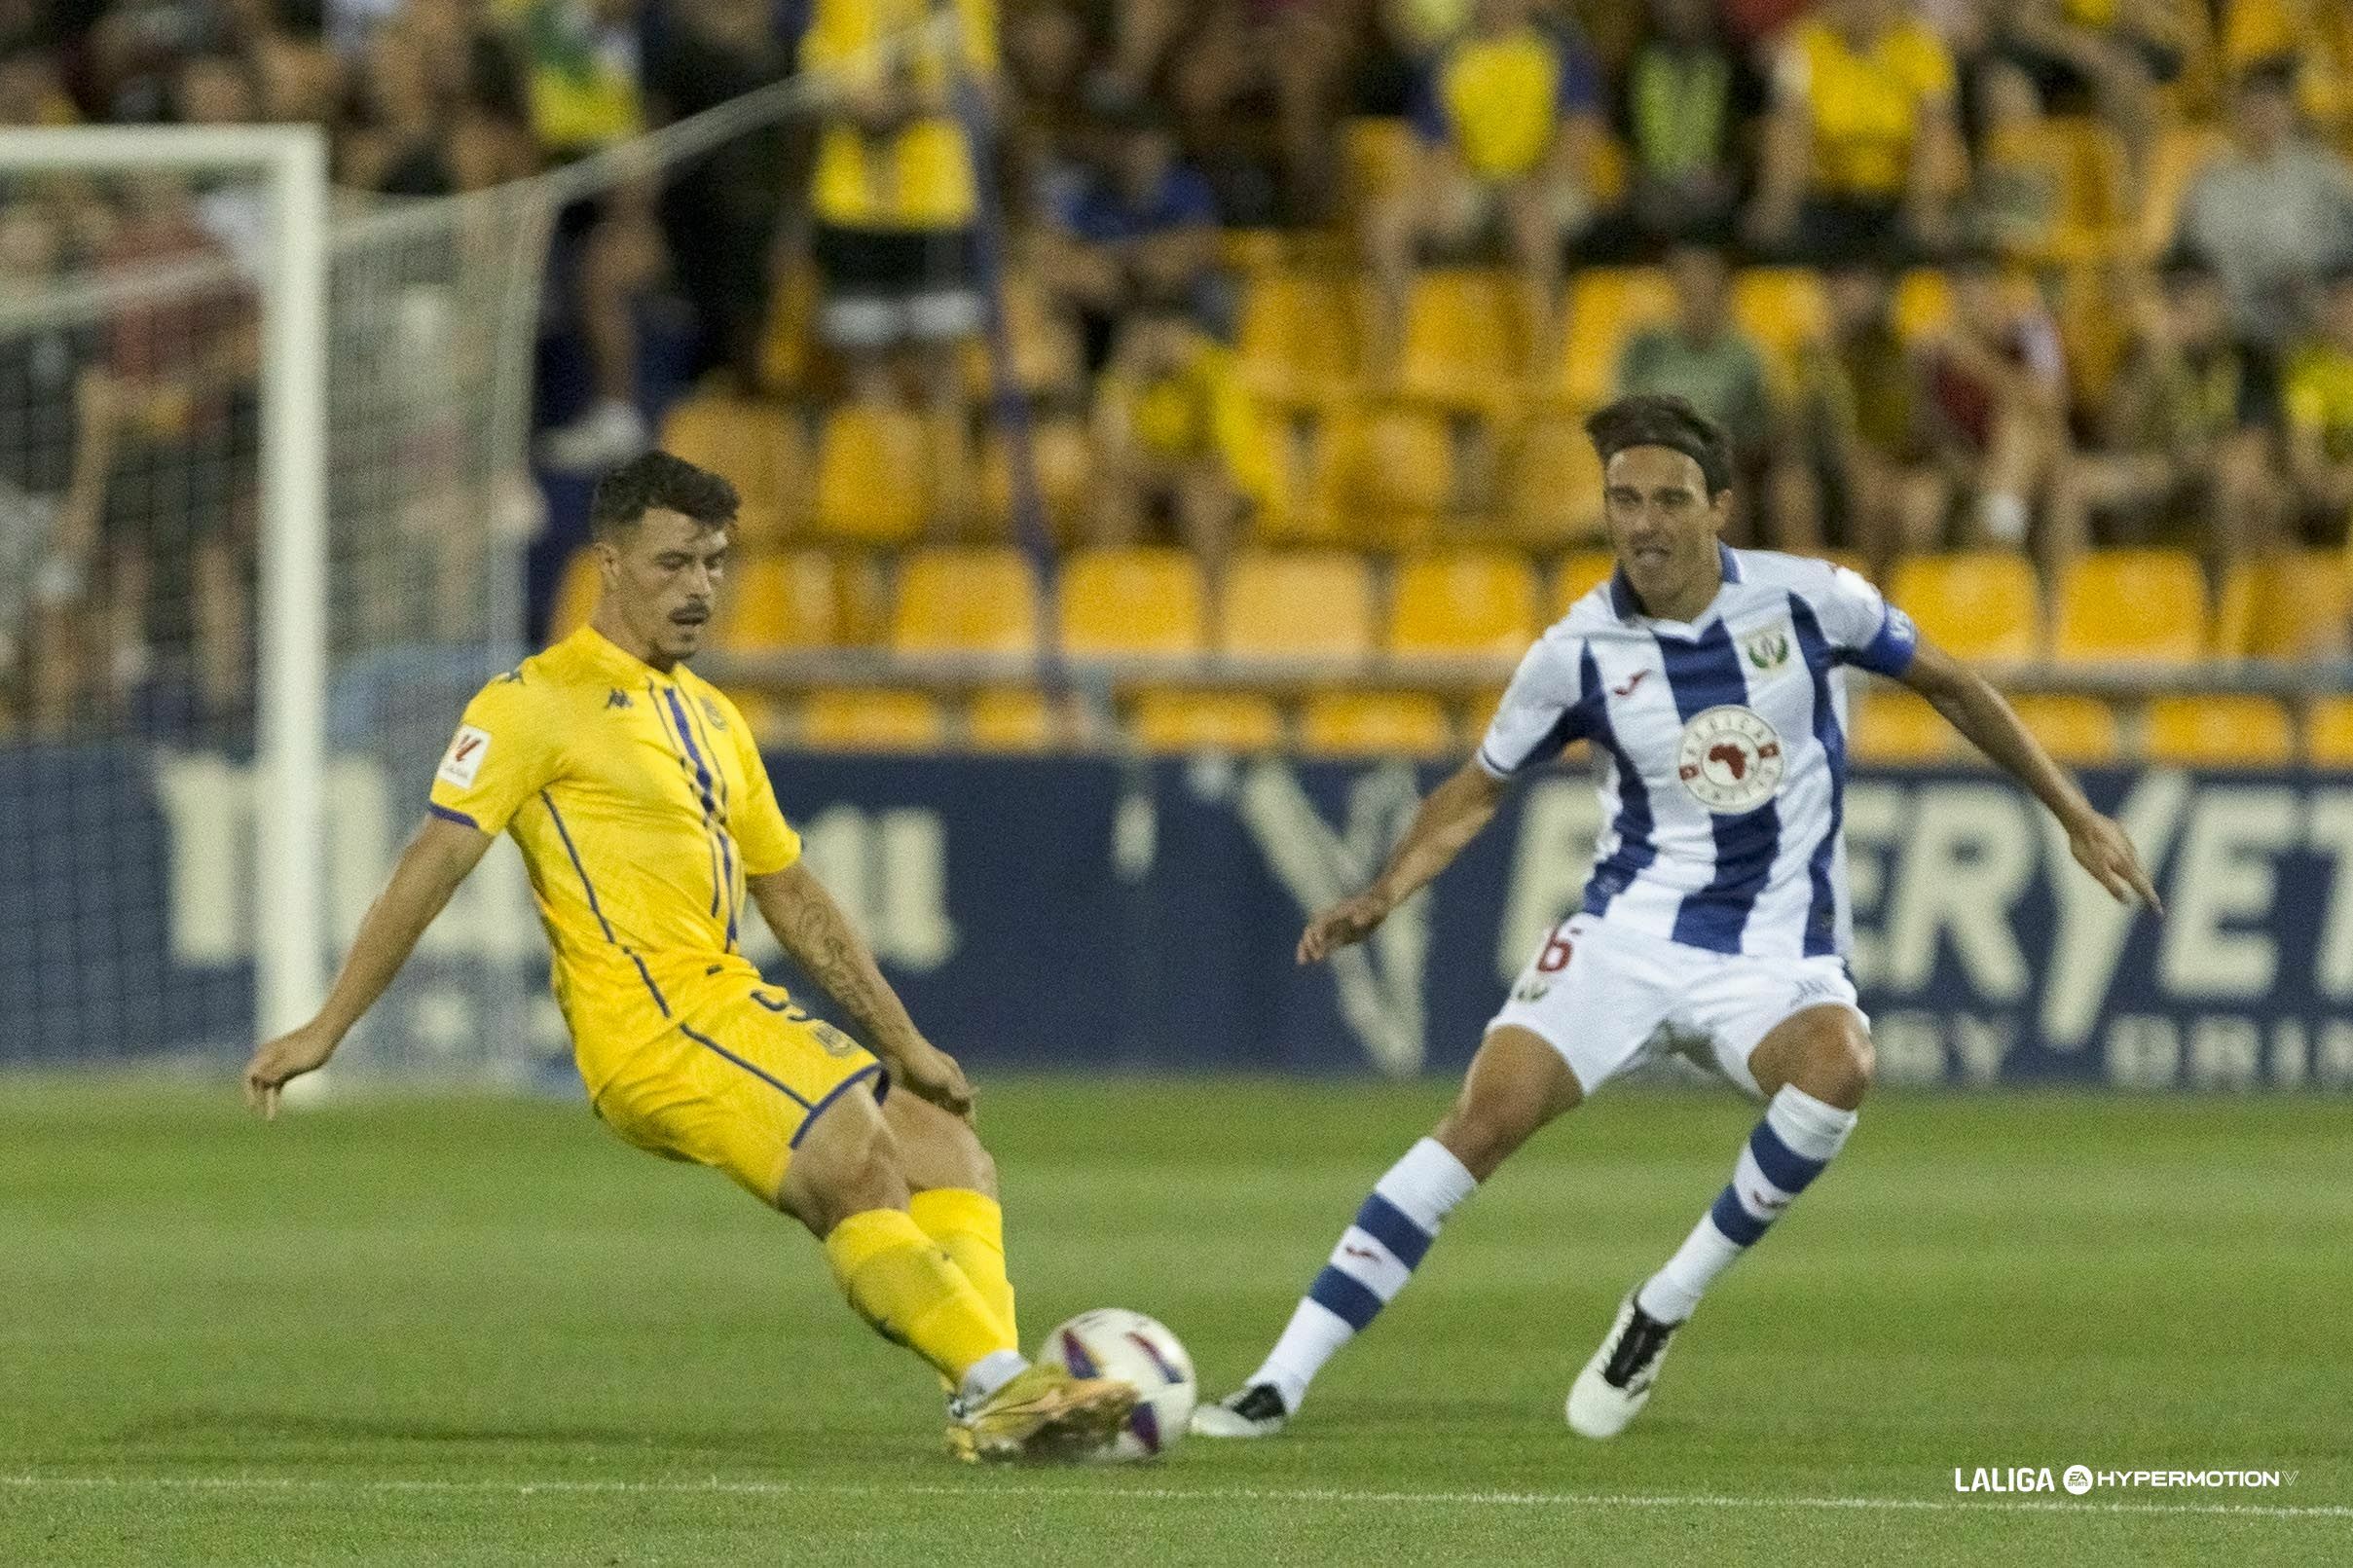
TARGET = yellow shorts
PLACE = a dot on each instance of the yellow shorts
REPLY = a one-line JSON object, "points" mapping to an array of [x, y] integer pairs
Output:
{"points": [[734, 1084]]}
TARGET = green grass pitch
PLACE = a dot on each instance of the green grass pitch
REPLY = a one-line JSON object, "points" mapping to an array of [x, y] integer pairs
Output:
{"points": [[460, 1331]]}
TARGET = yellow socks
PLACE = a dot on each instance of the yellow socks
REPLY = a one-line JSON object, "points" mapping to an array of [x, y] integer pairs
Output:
{"points": [[913, 1293], [972, 1227]]}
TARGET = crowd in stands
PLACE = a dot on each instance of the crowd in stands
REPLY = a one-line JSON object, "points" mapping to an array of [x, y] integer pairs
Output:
{"points": [[2032, 279]]}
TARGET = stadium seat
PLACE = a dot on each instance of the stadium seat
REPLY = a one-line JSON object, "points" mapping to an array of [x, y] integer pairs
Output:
{"points": [[800, 599], [1376, 159], [1296, 604], [1579, 573], [976, 600], [1173, 720], [1063, 460], [1461, 346], [1607, 306], [784, 351], [2218, 731], [2291, 606], [2079, 731], [1375, 723], [865, 720], [1975, 604], [2139, 607], [1783, 308], [1892, 726], [1556, 482], [1117, 603], [1383, 476], [1469, 602], [1047, 358], [577, 593], [1020, 718], [872, 464], [1298, 339], [758, 444], [2329, 732]]}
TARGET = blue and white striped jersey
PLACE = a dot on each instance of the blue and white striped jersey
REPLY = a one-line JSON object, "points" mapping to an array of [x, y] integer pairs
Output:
{"points": [[1720, 749]]}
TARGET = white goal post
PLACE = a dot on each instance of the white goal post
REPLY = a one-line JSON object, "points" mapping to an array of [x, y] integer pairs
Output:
{"points": [[289, 166]]}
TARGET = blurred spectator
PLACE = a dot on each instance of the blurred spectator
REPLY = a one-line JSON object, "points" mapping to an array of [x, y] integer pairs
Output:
{"points": [[2317, 398], [1209, 59], [1862, 153], [440, 106], [1997, 400], [2184, 456], [1176, 439], [2105, 55], [2018, 187], [2273, 212], [32, 93], [1703, 358], [1507, 119], [1686, 94], [1860, 473], [1135, 227], [54, 458], [720, 213]]}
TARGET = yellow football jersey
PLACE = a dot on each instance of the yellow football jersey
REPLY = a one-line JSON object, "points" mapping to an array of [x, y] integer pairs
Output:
{"points": [[641, 805], [922, 176], [1865, 107]]}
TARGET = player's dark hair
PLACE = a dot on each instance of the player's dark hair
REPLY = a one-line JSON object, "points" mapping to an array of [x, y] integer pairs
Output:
{"points": [[1657, 420], [658, 480]]}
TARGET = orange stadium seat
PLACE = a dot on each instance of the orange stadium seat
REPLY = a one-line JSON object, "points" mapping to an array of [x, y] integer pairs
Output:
{"points": [[1607, 306], [2131, 605], [1461, 346], [2329, 732], [1892, 726], [864, 719], [1116, 603], [1975, 604], [2218, 731], [1297, 338], [1556, 482], [1063, 460], [872, 468], [2291, 607], [800, 599], [976, 599], [1375, 723], [1376, 160], [2079, 731], [1385, 476], [758, 444], [1292, 604], [577, 593], [1020, 718], [1175, 720], [1579, 573], [1463, 602]]}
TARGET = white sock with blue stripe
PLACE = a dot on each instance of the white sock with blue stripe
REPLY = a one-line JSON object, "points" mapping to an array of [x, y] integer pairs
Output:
{"points": [[1786, 1152], [1375, 1257]]}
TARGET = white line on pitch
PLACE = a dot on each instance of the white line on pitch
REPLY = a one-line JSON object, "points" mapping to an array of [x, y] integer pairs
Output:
{"points": [[1164, 1494]]}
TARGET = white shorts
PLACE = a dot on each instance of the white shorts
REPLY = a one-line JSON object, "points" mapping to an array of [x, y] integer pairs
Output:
{"points": [[1610, 999]]}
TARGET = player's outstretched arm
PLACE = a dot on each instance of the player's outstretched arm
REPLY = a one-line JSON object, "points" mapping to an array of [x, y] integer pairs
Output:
{"points": [[1990, 724], [1450, 818], [821, 939], [435, 861]]}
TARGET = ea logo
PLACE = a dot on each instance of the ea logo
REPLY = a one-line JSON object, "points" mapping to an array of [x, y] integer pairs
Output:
{"points": [[1730, 759]]}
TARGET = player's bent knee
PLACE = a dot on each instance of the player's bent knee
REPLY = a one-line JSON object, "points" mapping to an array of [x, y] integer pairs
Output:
{"points": [[1837, 1065], [938, 1149], [847, 1164]]}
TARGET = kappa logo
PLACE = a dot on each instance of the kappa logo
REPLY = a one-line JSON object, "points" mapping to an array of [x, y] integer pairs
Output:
{"points": [[1767, 650], [618, 698], [462, 762], [1731, 759]]}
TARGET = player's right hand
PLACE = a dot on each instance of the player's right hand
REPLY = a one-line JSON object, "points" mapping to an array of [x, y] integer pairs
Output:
{"points": [[929, 1073], [1343, 925], [287, 1057]]}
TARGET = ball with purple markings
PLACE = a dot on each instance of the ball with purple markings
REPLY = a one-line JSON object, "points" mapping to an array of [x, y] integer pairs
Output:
{"points": [[1137, 1350]]}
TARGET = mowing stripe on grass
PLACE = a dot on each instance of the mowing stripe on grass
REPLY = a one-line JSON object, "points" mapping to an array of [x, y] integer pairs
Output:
{"points": [[1166, 1494]]}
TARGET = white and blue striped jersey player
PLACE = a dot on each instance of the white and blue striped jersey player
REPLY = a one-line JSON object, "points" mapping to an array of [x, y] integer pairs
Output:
{"points": [[1717, 906]]}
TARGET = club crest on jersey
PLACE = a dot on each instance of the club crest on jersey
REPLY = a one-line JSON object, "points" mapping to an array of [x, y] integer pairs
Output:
{"points": [[1767, 650], [710, 711], [1731, 759]]}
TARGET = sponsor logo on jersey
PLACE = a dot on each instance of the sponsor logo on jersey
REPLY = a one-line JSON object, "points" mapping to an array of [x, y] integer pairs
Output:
{"points": [[463, 760], [1767, 650], [1731, 759]]}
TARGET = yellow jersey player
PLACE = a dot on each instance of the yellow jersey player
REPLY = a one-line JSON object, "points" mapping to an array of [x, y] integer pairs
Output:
{"points": [[646, 820]]}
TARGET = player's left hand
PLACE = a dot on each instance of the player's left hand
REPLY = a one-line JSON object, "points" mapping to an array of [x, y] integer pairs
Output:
{"points": [[290, 1056], [928, 1073], [2101, 846]]}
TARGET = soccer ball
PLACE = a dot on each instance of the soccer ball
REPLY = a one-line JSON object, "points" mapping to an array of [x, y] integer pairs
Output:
{"points": [[1114, 1342]]}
